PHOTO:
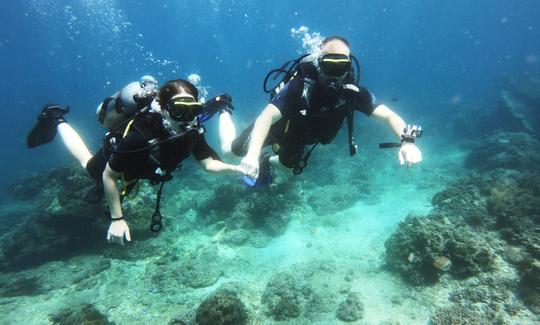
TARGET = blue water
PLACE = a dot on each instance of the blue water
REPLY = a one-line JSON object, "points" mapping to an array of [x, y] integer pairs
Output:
{"points": [[428, 60], [429, 54]]}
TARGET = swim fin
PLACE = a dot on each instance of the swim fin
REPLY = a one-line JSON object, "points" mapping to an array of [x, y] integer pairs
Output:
{"points": [[45, 129], [222, 103]]}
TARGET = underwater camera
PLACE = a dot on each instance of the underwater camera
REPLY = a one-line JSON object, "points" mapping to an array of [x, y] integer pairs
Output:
{"points": [[410, 134]]}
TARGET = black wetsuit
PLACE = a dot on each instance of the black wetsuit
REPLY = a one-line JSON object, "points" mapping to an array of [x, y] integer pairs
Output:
{"points": [[307, 118], [142, 164]]}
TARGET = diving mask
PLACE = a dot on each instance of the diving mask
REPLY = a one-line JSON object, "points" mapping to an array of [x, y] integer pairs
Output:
{"points": [[184, 109], [333, 68], [334, 65]]}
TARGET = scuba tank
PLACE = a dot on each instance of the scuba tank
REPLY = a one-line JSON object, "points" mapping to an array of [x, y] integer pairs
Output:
{"points": [[127, 102]]}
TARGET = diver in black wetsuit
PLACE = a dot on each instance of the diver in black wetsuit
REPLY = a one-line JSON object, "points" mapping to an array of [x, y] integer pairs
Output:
{"points": [[150, 145], [309, 108]]}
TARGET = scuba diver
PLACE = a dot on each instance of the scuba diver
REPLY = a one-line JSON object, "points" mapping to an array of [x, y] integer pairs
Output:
{"points": [[137, 95], [148, 142], [309, 106]]}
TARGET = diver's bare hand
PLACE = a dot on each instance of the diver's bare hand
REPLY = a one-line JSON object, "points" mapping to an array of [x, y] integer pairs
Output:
{"points": [[409, 154], [117, 231], [250, 166]]}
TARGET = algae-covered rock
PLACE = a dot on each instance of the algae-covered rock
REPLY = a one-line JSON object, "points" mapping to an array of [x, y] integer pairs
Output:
{"points": [[222, 308], [84, 315], [301, 290], [283, 297], [529, 286], [351, 309]]}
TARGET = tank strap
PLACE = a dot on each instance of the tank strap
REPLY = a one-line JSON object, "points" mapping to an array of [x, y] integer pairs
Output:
{"points": [[128, 127]]}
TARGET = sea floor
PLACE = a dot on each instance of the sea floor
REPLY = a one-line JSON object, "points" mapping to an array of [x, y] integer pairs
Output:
{"points": [[350, 242]]}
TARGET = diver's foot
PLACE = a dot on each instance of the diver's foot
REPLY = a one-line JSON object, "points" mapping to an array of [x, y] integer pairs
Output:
{"points": [[54, 113], [95, 194], [45, 129], [221, 104]]}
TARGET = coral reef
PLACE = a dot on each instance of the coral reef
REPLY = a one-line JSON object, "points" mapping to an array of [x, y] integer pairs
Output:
{"points": [[412, 250], [238, 208], [351, 309], [60, 223], [489, 216], [490, 298], [222, 308], [456, 315], [302, 290], [466, 200], [283, 297]]}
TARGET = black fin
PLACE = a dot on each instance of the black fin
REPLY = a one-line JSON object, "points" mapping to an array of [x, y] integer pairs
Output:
{"points": [[43, 132], [45, 129]]}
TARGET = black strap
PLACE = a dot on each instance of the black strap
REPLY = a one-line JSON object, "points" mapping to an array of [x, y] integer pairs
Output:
{"points": [[156, 225], [353, 149], [289, 68], [302, 163], [387, 145]]}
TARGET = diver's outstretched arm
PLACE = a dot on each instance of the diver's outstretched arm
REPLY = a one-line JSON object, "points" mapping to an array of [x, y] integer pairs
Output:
{"points": [[269, 116], [118, 228], [216, 166], [385, 115]]}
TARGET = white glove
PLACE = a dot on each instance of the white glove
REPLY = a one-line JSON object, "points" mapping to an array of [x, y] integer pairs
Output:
{"points": [[117, 230], [409, 154]]}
